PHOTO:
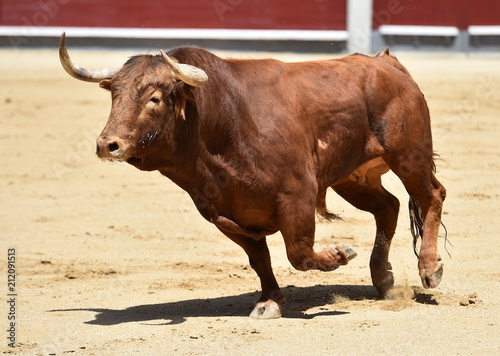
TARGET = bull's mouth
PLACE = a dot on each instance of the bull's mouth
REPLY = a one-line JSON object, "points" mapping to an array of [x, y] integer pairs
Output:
{"points": [[115, 149], [119, 156], [116, 156], [134, 161]]}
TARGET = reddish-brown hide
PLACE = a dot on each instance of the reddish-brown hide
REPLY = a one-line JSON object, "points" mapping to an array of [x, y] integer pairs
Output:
{"points": [[257, 145]]}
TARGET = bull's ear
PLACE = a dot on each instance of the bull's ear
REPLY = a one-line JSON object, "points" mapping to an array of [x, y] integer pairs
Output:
{"points": [[105, 84], [183, 92], [180, 108]]}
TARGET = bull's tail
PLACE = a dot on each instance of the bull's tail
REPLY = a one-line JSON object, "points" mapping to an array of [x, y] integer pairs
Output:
{"points": [[416, 223], [388, 57], [417, 226]]}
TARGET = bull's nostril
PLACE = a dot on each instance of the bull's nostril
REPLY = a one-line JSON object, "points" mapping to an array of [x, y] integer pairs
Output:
{"points": [[113, 146]]}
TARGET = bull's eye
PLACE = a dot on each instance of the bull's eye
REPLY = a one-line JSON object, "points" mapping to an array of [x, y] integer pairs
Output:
{"points": [[155, 100]]}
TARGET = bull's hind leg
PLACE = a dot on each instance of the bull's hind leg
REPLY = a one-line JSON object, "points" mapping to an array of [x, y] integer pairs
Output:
{"points": [[429, 193], [384, 206], [270, 304]]}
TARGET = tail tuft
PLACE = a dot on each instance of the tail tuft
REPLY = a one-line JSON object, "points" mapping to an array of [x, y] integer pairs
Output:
{"points": [[416, 223], [417, 226]]}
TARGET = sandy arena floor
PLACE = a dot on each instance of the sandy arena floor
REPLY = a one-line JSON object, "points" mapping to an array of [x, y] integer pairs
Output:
{"points": [[114, 261]]}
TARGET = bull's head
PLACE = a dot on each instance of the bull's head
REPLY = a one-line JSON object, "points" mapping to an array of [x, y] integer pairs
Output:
{"points": [[149, 95]]}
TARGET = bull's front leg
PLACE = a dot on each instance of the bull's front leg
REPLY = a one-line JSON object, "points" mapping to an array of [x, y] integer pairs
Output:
{"points": [[270, 304], [297, 224]]}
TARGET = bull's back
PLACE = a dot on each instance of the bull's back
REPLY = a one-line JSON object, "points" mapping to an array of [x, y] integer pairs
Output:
{"points": [[330, 115], [312, 114]]}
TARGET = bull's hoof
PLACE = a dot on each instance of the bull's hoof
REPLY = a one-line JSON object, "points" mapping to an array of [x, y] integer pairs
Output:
{"points": [[431, 280], [349, 253], [267, 310], [382, 277], [385, 285]]}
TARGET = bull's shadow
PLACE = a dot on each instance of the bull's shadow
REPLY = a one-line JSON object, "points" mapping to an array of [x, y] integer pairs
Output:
{"points": [[299, 301]]}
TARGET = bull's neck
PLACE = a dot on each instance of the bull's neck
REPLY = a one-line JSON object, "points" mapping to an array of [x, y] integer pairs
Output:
{"points": [[206, 157]]}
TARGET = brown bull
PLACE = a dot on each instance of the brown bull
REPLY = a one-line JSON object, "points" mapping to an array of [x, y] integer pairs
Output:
{"points": [[256, 144]]}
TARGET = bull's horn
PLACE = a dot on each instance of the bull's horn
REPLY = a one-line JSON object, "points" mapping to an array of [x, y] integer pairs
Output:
{"points": [[88, 75], [189, 74]]}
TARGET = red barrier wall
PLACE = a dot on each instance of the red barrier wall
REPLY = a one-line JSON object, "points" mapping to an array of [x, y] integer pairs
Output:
{"points": [[243, 14], [458, 13], [235, 14]]}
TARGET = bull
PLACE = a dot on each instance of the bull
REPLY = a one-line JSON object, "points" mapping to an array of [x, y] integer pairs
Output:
{"points": [[257, 143]]}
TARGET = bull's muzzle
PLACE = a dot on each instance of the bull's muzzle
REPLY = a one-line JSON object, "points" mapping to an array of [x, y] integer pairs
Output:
{"points": [[111, 148]]}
